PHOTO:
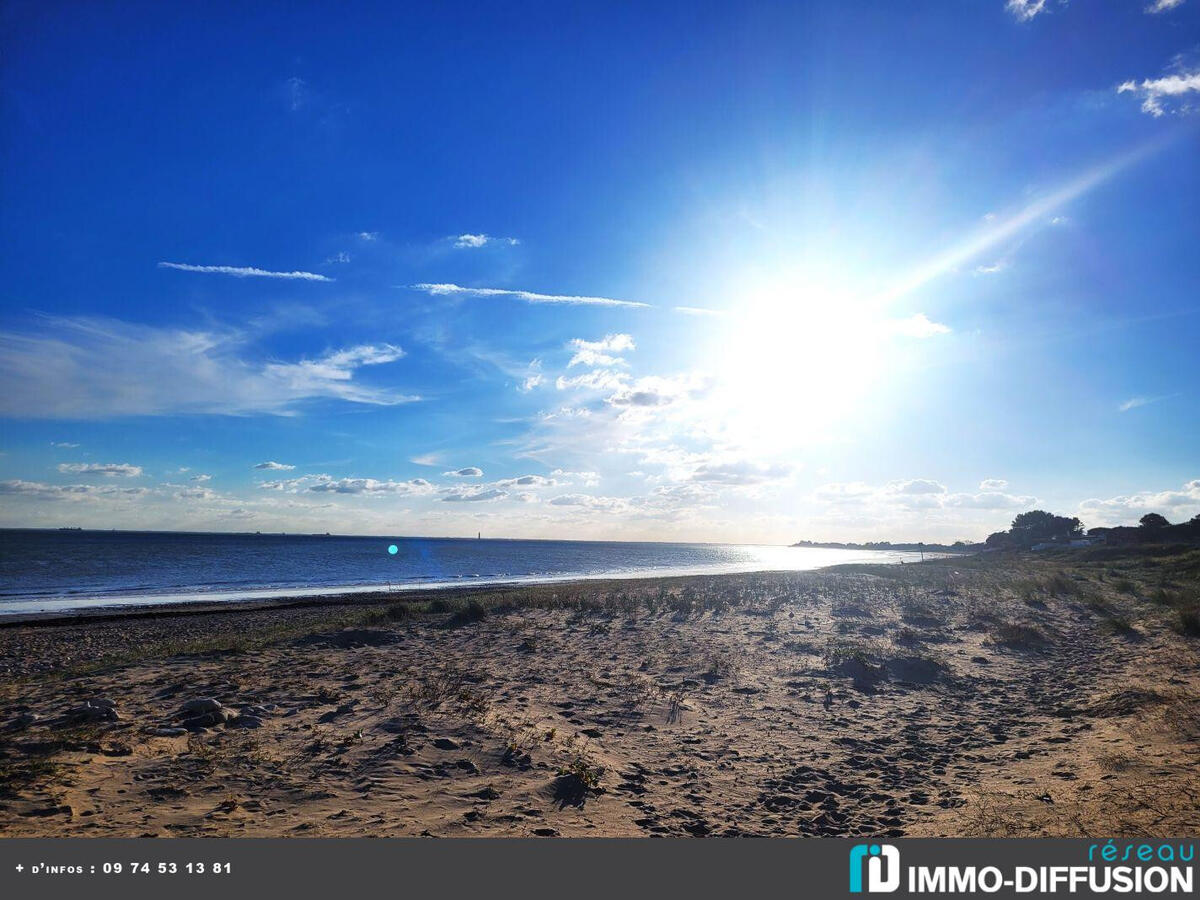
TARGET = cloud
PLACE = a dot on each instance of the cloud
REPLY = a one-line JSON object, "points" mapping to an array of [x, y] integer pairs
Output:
{"points": [[1024, 10], [655, 390], [200, 478], [1159, 6], [698, 311], [1135, 402], [91, 368], [994, 269], [739, 473], [297, 92], [274, 466], [368, 236], [468, 472], [477, 496], [920, 494], [532, 381], [111, 470], [917, 486], [471, 241], [64, 444], [339, 258], [1159, 95], [67, 491], [528, 481], [244, 272], [588, 501], [597, 353], [918, 326], [427, 459], [587, 478], [327, 484], [443, 290], [597, 379], [1125, 510]]}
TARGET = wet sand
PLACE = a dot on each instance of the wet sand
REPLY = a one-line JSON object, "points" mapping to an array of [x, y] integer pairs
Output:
{"points": [[992, 695]]}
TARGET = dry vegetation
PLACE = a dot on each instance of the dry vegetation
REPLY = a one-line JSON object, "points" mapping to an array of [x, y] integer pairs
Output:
{"points": [[997, 695]]}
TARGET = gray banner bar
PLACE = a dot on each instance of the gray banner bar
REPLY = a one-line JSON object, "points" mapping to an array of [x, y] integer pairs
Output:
{"points": [[619, 868]]}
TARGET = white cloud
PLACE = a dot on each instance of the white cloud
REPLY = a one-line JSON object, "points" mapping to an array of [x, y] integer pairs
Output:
{"points": [[994, 269], [528, 481], [368, 236], [1159, 95], [475, 496], [427, 459], [698, 311], [587, 478], [1024, 10], [64, 444], [465, 241], [655, 390], [67, 491], [327, 484], [109, 469], [1135, 402], [740, 473], [993, 484], [444, 290], [200, 478], [1177, 505], [274, 466], [81, 368], [598, 353], [468, 472], [339, 258], [244, 272], [917, 486], [918, 326], [532, 381], [589, 502], [1159, 6], [596, 380]]}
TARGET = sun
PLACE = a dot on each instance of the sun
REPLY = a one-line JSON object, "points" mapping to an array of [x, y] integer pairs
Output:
{"points": [[800, 355]]}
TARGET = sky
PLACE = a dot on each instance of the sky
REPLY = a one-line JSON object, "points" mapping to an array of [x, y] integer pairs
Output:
{"points": [[749, 273]]}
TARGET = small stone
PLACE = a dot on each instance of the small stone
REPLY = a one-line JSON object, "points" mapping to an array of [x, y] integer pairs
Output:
{"points": [[446, 744], [245, 721], [166, 732], [199, 706]]}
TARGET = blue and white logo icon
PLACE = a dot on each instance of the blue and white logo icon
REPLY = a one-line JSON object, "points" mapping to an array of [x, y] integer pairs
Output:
{"points": [[882, 862]]}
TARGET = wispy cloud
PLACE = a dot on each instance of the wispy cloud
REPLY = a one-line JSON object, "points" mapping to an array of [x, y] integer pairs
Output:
{"points": [[1002, 228], [1135, 402], [109, 469], [468, 472], [472, 241], [90, 368], [1160, 6], [1024, 10], [368, 236], [274, 466], [65, 444], [599, 353], [444, 290], [1166, 94], [698, 311], [244, 272], [919, 326]]}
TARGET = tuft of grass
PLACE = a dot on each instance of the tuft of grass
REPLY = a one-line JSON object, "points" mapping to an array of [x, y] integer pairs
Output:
{"points": [[1018, 634]]}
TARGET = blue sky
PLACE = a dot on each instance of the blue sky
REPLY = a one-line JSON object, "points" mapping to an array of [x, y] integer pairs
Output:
{"points": [[736, 272]]}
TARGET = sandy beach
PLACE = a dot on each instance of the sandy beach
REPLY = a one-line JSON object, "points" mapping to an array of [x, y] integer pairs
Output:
{"points": [[1001, 694]]}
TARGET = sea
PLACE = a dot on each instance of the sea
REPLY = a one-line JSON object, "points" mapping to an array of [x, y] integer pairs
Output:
{"points": [[49, 571]]}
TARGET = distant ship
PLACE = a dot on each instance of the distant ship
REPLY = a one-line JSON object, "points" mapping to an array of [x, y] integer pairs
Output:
{"points": [[71, 528]]}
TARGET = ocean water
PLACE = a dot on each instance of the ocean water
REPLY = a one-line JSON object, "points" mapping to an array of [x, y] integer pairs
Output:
{"points": [[52, 571]]}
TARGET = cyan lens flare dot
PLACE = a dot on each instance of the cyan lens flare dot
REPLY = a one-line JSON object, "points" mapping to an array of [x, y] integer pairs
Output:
{"points": [[393, 549]]}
